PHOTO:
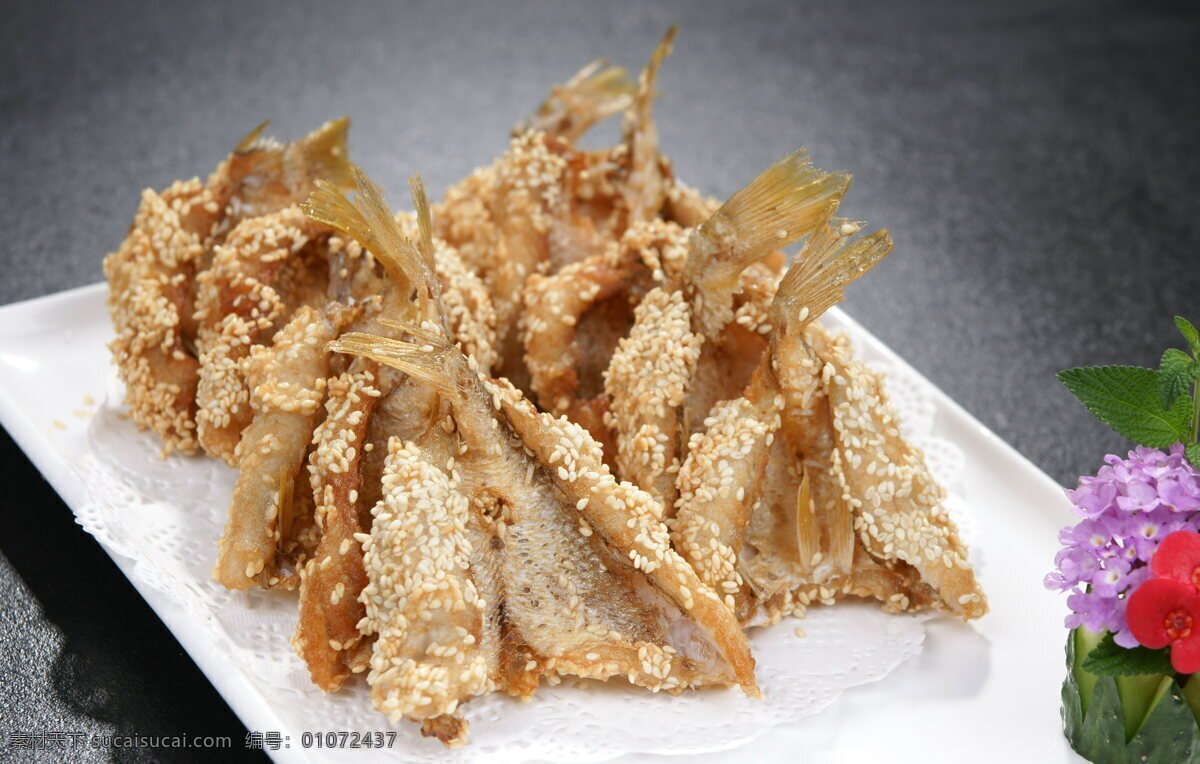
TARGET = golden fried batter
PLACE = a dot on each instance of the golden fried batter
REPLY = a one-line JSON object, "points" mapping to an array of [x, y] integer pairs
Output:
{"points": [[654, 367], [572, 420]]}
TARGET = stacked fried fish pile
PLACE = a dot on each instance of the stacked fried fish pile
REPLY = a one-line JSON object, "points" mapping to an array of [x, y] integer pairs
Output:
{"points": [[575, 419]]}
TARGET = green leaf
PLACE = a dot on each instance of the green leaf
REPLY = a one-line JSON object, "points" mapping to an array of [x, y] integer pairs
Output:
{"points": [[1176, 373], [1189, 333], [1073, 699], [1126, 398], [1095, 723], [1138, 696], [1168, 734], [1110, 659], [1082, 644], [1192, 452], [1103, 734]]}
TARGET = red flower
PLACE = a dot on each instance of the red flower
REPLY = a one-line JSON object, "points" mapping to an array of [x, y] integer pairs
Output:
{"points": [[1178, 558], [1165, 612]]}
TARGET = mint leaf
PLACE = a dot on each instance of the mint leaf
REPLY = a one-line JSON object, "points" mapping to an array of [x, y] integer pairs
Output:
{"points": [[1176, 373], [1126, 398], [1189, 333], [1110, 659], [1192, 452]]}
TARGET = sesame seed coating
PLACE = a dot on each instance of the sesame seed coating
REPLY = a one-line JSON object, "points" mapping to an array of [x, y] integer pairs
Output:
{"points": [[901, 514], [288, 384], [571, 420], [333, 467], [258, 277], [417, 559], [646, 381], [149, 304]]}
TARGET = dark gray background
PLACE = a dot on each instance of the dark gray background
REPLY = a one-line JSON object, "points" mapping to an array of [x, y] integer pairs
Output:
{"points": [[1035, 162]]}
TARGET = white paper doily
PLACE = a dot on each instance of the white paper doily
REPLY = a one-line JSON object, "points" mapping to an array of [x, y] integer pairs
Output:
{"points": [[166, 515]]}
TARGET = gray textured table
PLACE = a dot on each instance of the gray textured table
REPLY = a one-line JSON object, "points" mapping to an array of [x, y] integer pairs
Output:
{"points": [[1036, 164]]}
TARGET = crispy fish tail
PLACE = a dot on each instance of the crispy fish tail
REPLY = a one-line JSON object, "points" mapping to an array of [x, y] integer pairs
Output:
{"points": [[645, 186], [426, 359], [822, 269], [786, 202], [815, 282], [254, 140], [261, 164], [325, 150], [367, 219], [596, 92], [371, 223]]}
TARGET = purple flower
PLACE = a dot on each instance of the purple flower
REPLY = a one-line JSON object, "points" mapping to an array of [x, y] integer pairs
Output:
{"points": [[1110, 580], [1127, 509]]}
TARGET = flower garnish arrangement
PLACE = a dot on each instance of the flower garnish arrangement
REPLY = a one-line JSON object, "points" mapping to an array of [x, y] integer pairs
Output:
{"points": [[1132, 567]]}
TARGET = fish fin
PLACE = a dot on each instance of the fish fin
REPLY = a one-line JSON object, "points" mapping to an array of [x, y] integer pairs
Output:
{"points": [[841, 542], [254, 140], [785, 203], [817, 279], [808, 532], [601, 83], [595, 93], [649, 76], [425, 236], [430, 361], [369, 220], [287, 504], [325, 148]]}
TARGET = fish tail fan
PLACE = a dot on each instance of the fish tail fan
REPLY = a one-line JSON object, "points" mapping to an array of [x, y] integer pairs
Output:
{"points": [[370, 222], [431, 358], [326, 149], [595, 93], [649, 76], [817, 279], [782, 205]]}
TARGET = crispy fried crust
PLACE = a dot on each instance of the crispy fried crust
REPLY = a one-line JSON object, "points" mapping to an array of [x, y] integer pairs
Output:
{"points": [[899, 509], [703, 458], [287, 381], [259, 276], [422, 606], [327, 635], [629, 520], [149, 301]]}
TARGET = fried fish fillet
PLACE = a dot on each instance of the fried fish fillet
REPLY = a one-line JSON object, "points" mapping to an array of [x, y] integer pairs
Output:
{"points": [[421, 601], [722, 475], [287, 382], [152, 276], [591, 581], [899, 509], [268, 266], [655, 365], [347, 468]]}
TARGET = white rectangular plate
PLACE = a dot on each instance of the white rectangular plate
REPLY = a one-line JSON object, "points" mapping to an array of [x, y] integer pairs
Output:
{"points": [[984, 692]]}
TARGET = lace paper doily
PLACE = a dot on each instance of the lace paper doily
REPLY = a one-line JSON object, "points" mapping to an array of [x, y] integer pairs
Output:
{"points": [[166, 515]]}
